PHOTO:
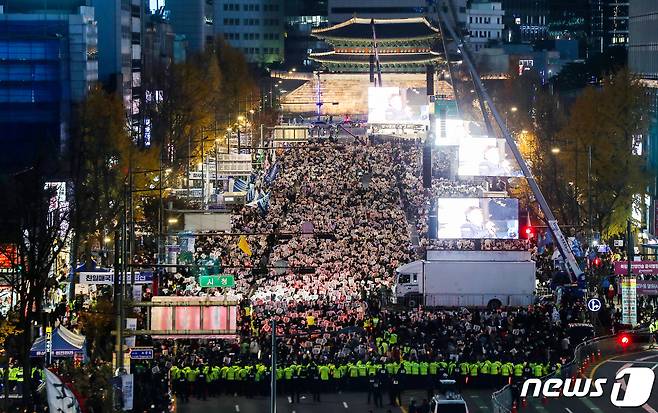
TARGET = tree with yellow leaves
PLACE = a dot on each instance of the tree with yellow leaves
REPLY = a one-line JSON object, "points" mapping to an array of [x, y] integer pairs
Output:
{"points": [[612, 121]]}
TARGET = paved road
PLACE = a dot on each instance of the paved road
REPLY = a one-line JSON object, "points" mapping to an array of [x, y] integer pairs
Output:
{"points": [[605, 369], [478, 402]]}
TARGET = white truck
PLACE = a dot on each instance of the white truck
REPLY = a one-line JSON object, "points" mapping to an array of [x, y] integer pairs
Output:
{"points": [[467, 279]]}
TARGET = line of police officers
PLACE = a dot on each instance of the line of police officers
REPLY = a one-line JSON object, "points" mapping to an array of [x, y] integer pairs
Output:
{"points": [[372, 376]]}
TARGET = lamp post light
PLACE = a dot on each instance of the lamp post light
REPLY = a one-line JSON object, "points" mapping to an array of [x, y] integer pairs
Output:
{"points": [[555, 150]]}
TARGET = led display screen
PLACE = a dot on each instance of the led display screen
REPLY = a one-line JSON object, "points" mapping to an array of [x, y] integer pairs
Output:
{"points": [[397, 105], [486, 157], [496, 218]]}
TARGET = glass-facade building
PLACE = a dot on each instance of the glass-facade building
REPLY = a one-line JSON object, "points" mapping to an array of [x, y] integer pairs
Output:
{"points": [[643, 62], [47, 63]]}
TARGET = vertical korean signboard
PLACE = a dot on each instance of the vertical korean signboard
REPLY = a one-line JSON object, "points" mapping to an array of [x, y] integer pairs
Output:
{"points": [[49, 345], [629, 301]]}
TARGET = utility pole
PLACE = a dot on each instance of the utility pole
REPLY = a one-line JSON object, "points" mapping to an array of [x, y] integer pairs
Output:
{"points": [[273, 369], [589, 193], [118, 300]]}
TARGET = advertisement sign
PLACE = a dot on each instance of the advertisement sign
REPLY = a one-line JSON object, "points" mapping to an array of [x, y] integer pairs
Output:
{"points": [[629, 301], [190, 317], [49, 344], [397, 105], [127, 389], [486, 157], [131, 324], [647, 287], [496, 218], [637, 267], [107, 278]]}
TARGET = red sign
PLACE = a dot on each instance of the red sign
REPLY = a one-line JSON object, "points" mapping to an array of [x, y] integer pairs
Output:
{"points": [[637, 267], [8, 257]]}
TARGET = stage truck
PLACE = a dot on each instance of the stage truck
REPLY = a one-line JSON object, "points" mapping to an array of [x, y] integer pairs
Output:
{"points": [[480, 279]]}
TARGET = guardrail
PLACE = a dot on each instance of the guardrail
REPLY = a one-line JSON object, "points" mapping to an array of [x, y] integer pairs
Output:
{"points": [[584, 354]]}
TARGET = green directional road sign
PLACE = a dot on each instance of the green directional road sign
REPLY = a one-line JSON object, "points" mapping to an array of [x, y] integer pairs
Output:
{"points": [[213, 281]]}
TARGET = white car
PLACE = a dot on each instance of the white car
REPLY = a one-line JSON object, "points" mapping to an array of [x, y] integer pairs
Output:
{"points": [[448, 399]]}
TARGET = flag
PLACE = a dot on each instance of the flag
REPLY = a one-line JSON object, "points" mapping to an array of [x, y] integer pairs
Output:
{"points": [[251, 193], [239, 185], [60, 397], [272, 173], [244, 245], [264, 204]]}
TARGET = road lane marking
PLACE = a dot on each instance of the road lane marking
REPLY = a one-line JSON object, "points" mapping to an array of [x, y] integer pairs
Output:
{"points": [[345, 404], [237, 408], [568, 410], [648, 357]]}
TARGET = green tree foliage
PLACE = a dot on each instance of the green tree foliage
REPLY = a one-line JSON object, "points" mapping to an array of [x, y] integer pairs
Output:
{"points": [[612, 121]]}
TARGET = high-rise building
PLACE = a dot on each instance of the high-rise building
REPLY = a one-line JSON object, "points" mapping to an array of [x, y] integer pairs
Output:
{"points": [[342, 10], [569, 19], [49, 63], [120, 53], [301, 18], [525, 20], [254, 26], [193, 19], [643, 62], [608, 24], [484, 23]]}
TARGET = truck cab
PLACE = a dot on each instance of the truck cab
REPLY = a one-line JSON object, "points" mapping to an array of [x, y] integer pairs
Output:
{"points": [[448, 399], [407, 284]]}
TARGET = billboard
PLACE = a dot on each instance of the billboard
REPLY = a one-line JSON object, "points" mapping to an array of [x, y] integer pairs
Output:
{"points": [[486, 157], [194, 315], [397, 105], [496, 218], [637, 267]]}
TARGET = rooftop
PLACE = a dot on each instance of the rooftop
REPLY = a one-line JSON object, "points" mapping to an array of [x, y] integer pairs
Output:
{"points": [[385, 58], [385, 29]]}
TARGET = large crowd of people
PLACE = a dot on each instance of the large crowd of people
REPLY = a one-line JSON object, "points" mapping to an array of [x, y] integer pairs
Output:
{"points": [[326, 253]]}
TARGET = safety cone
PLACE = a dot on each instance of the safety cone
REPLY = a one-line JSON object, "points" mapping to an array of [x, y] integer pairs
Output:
{"points": [[524, 402], [544, 400], [514, 409], [599, 354]]}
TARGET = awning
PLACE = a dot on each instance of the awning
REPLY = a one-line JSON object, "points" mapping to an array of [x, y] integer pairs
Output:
{"points": [[65, 343]]}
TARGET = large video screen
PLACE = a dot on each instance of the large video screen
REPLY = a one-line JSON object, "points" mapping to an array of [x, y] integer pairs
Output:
{"points": [[397, 105], [496, 218], [486, 157]]}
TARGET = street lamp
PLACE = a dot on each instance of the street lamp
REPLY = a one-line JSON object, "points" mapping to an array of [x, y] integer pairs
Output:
{"points": [[555, 150], [514, 109]]}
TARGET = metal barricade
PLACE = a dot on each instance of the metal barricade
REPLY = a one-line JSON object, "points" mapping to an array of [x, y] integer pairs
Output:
{"points": [[585, 354]]}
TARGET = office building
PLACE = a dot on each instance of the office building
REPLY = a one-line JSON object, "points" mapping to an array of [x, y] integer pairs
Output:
{"points": [[48, 65], [608, 24], [302, 17], [256, 27], [484, 24], [193, 19], [526, 21], [643, 62], [342, 10], [120, 53]]}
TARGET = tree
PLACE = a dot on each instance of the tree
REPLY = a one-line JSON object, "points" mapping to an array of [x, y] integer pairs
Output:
{"points": [[35, 225], [610, 120], [102, 156]]}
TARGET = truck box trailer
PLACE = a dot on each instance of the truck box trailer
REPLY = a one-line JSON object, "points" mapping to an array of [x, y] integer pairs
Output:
{"points": [[478, 279]]}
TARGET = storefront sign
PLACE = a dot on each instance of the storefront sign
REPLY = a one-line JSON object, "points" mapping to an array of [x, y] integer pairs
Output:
{"points": [[107, 278], [637, 267], [647, 287]]}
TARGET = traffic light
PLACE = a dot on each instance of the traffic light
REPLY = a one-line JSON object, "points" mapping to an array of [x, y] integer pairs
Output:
{"points": [[624, 340], [528, 232]]}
